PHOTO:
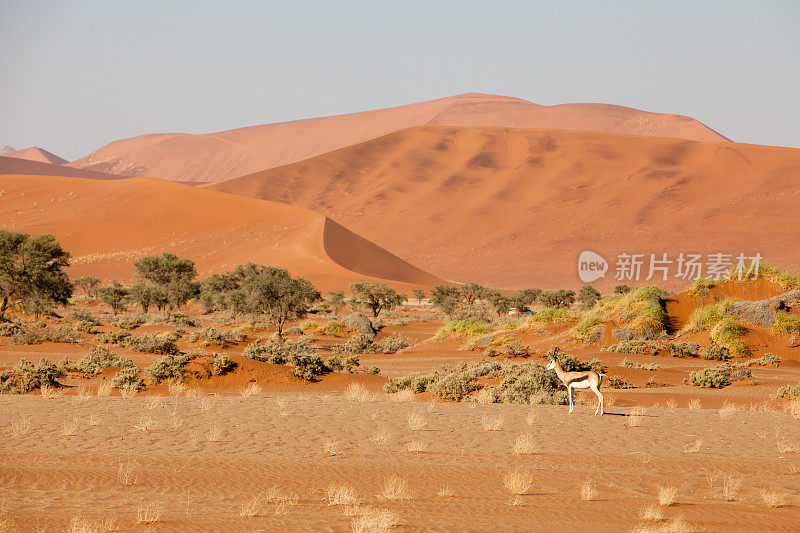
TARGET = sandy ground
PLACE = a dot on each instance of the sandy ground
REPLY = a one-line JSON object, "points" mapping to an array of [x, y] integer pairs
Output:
{"points": [[201, 459]]}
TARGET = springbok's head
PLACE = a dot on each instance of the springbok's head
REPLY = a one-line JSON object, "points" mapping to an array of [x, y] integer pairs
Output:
{"points": [[552, 364]]}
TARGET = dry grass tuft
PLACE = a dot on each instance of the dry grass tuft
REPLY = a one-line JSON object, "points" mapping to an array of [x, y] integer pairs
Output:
{"points": [[588, 491], [128, 393], [416, 446], [514, 501], [375, 520], [251, 507], [341, 494], [395, 488], [70, 427], [205, 403], [49, 392], [651, 513], [403, 396], [677, 525], [105, 389], [518, 481], [126, 474], [730, 487], [774, 498], [693, 447], [525, 444], [252, 389], [214, 433], [788, 447], [357, 392], [446, 492], [380, 437], [20, 424], [176, 388], [145, 424], [85, 525], [666, 495], [727, 410], [635, 416], [492, 423], [671, 404], [149, 512], [694, 403], [416, 421], [331, 447]]}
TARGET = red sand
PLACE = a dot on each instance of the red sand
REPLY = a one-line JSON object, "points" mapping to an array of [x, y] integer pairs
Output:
{"points": [[222, 155], [108, 224], [511, 208]]}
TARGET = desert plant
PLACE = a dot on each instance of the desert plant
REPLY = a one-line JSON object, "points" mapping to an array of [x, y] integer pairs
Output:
{"points": [[26, 376], [114, 296], [684, 349], [375, 296], [171, 275], [469, 327], [588, 296], [220, 337], [589, 329], [445, 298], [170, 366], [786, 323], [88, 284], [128, 379], [557, 298], [419, 294], [717, 377], [99, 357], [716, 352], [222, 364], [701, 286]]}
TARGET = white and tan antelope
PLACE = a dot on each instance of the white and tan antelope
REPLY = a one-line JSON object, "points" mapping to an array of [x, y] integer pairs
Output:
{"points": [[579, 380]]}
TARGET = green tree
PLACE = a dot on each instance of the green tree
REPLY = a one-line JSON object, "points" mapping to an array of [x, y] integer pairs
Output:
{"points": [[419, 294], [471, 292], [146, 295], [445, 298], [588, 296], [375, 296], [114, 296], [622, 289], [500, 302], [335, 301], [222, 291], [557, 298], [171, 273], [88, 284], [273, 292], [31, 272]]}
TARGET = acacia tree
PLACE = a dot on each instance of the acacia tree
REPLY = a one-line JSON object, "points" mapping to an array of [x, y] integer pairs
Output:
{"points": [[172, 274], [272, 291], [588, 296], [146, 295], [88, 284], [446, 298], [31, 272], [335, 301], [114, 295], [557, 298], [471, 292], [419, 294], [375, 296]]}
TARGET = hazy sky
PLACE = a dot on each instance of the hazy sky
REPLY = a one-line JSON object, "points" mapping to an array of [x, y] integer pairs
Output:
{"points": [[76, 75]]}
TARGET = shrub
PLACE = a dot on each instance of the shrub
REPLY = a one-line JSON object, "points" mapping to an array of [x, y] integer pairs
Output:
{"points": [[616, 382], [375, 296], [221, 337], [783, 277], [26, 376], [525, 384], [643, 366], [572, 364], [129, 321], [764, 360], [308, 367], [222, 364], [716, 353], [786, 323], [707, 316], [700, 287], [158, 343], [393, 344], [588, 296], [114, 296], [128, 379], [589, 329], [334, 363], [168, 367], [173, 318], [335, 328], [718, 377], [359, 343], [85, 327], [449, 383], [82, 315], [728, 332], [684, 349], [309, 325], [789, 391], [552, 314], [39, 333], [414, 382], [557, 298], [7, 329], [516, 348], [119, 338], [277, 350], [99, 357]]}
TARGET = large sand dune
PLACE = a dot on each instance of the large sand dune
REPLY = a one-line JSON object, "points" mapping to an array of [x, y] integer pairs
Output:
{"points": [[14, 165], [34, 153], [512, 207], [222, 155], [108, 224]]}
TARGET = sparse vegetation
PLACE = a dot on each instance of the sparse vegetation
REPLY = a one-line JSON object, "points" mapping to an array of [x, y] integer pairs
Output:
{"points": [[642, 366], [26, 376], [718, 377], [98, 358], [375, 296], [589, 329], [128, 379], [786, 323]]}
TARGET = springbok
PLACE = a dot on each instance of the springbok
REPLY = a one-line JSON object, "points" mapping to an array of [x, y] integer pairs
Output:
{"points": [[579, 380]]}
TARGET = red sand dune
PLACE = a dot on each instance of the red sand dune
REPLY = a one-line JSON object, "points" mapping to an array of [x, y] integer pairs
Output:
{"points": [[12, 165], [511, 207], [108, 224], [34, 153], [227, 154]]}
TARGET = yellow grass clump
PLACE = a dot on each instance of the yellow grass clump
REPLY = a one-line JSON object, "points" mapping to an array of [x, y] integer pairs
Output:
{"points": [[395, 488], [518, 481]]}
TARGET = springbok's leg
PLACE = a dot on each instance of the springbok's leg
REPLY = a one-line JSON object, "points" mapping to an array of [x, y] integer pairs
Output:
{"points": [[599, 400], [569, 389]]}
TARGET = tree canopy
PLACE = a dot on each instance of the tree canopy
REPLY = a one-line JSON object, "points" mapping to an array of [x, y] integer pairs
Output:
{"points": [[375, 296]]}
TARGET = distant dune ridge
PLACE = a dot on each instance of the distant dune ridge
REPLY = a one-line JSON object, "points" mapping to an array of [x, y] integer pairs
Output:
{"points": [[108, 224], [223, 155], [34, 153], [13, 165], [6, 150], [513, 207]]}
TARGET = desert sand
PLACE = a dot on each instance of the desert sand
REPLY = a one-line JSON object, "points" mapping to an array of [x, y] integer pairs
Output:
{"points": [[13, 165], [512, 208], [107, 224], [227, 154]]}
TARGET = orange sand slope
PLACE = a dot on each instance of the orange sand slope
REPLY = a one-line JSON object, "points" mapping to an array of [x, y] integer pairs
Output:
{"points": [[34, 153], [13, 165], [108, 224], [510, 207], [218, 156]]}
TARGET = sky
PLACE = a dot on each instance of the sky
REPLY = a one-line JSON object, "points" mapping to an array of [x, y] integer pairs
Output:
{"points": [[76, 75]]}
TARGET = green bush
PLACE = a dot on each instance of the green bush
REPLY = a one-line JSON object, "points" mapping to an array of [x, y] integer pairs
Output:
{"points": [[616, 382], [684, 349], [786, 323], [308, 367], [170, 366], [221, 337], [525, 384], [129, 321], [789, 391], [642, 366], [158, 343], [26, 376], [119, 338], [700, 287], [39, 333], [309, 325], [128, 379], [392, 344], [277, 350], [468, 326], [764, 360], [589, 329], [335, 328], [7, 329], [552, 314], [99, 357], [222, 364], [718, 377], [716, 352], [451, 383]]}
